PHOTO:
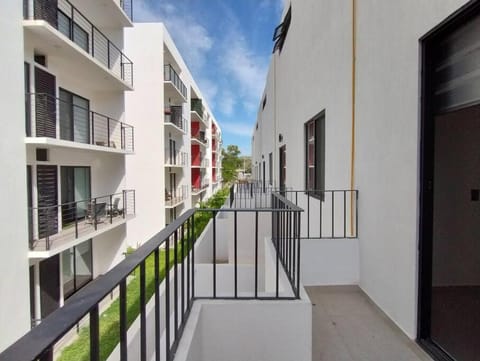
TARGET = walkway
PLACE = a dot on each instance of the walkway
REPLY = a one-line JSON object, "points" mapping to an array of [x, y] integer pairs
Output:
{"points": [[348, 327]]}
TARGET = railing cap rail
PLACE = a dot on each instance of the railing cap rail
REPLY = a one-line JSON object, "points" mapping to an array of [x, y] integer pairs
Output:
{"points": [[57, 324]]}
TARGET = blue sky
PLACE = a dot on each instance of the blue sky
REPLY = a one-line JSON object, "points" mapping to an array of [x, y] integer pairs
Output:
{"points": [[227, 46]]}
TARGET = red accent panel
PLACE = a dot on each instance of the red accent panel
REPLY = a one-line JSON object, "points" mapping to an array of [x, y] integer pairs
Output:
{"points": [[196, 154], [196, 179], [195, 128]]}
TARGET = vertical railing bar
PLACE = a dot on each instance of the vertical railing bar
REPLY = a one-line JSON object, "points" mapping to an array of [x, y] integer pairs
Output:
{"points": [[256, 254], [322, 198], [344, 214], [193, 255], [94, 334], [123, 321], [356, 214], [235, 240], [175, 284], [167, 299], [189, 241], [214, 255], [298, 255], [308, 214], [182, 292], [143, 314], [157, 305], [277, 268], [333, 212]]}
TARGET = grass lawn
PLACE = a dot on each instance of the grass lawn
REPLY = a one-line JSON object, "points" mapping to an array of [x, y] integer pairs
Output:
{"points": [[79, 350]]}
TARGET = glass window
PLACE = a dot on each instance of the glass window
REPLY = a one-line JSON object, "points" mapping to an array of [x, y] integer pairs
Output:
{"points": [[315, 155], [76, 268]]}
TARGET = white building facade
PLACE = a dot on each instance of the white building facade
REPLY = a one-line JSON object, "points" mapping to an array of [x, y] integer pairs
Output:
{"points": [[368, 96], [177, 138]]}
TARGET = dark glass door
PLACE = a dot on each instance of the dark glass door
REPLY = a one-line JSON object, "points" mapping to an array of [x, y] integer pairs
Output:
{"points": [[283, 167], [49, 285]]}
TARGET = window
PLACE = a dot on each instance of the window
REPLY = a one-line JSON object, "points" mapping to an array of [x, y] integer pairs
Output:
{"points": [[75, 118], [280, 33], [315, 154], [76, 268], [270, 168]]}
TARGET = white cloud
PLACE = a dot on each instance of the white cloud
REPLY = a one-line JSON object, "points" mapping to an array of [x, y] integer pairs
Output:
{"points": [[227, 105], [237, 128], [190, 36]]}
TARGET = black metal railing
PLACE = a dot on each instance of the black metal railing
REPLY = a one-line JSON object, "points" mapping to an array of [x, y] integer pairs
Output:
{"points": [[71, 220], [174, 116], [200, 136], [175, 158], [170, 257], [171, 75], [127, 6], [176, 195], [197, 106], [74, 25], [75, 123], [331, 214]]}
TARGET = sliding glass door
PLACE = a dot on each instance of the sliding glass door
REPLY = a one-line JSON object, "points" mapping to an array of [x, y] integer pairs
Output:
{"points": [[76, 192], [74, 117]]}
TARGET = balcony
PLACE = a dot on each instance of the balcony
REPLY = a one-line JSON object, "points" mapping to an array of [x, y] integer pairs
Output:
{"points": [[107, 14], [78, 45], [197, 190], [56, 228], [53, 122], [175, 89], [198, 112], [200, 139], [261, 273], [175, 159], [200, 161], [176, 196], [174, 119]]}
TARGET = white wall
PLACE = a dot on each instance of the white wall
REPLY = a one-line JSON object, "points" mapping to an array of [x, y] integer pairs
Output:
{"points": [[248, 331], [312, 73], [145, 109], [14, 287]]}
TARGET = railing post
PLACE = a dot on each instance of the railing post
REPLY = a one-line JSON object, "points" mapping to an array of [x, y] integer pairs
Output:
{"points": [[108, 132], [47, 239], [93, 128], [76, 219], [93, 41], [94, 213], [122, 140], [108, 53], [94, 335], [124, 201], [111, 209]]}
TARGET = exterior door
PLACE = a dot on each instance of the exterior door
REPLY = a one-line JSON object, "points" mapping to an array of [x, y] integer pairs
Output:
{"points": [[283, 167], [47, 200], [449, 309], [49, 285], [45, 104]]}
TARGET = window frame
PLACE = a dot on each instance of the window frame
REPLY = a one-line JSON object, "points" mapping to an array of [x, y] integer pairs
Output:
{"points": [[318, 166]]}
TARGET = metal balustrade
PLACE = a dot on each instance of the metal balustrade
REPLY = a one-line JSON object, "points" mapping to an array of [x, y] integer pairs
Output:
{"points": [[127, 6], [53, 226], [174, 116], [200, 136], [175, 158], [171, 75], [48, 116], [70, 21], [171, 253], [329, 214], [174, 196]]}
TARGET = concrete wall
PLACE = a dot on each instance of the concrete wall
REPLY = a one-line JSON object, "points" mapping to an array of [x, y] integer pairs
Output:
{"points": [[14, 304], [312, 73]]}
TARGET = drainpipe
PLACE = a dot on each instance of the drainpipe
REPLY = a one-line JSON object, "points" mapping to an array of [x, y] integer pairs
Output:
{"points": [[354, 71]]}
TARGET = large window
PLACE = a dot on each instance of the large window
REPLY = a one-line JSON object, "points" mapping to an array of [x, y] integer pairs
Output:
{"points": [[76, 268], [315, 155], [74, 117]]}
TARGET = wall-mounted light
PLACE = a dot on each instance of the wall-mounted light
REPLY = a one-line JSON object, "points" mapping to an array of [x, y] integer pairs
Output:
{"points": [[280, 138]]}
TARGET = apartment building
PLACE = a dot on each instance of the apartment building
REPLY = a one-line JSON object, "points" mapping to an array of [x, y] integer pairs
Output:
{"points": [[174, 166], [68, 139], [380, 98]]}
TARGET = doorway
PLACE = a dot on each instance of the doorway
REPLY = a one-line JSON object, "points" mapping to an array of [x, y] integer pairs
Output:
{"points": [[449, 303]]}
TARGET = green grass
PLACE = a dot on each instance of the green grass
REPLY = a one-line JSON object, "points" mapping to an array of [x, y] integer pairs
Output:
{"points": [[79, 350]]}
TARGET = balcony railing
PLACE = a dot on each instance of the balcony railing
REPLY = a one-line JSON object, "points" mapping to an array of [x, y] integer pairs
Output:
{"points": [[203, 185], [200, 161], [170, 257], [175, 159], [171, 75], [176, 195], [200, 136], [54, 225], [174, 116], [197, 106], [329, 214], [68, 20], [45, 114], [127, 6]]}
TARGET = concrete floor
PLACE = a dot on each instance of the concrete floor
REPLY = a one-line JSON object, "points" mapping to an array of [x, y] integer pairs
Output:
{"points": [[347, 326]]}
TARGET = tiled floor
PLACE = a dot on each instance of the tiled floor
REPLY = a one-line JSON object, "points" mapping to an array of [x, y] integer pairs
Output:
{"points": [[348, 327]]}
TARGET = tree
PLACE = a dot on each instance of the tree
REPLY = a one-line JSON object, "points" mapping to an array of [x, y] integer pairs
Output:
{"points": [[230, 163]]}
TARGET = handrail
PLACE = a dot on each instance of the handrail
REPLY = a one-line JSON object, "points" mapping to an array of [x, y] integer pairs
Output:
{"points": [[90, 38], [101, 130], [172, 76], [178, 240]]}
